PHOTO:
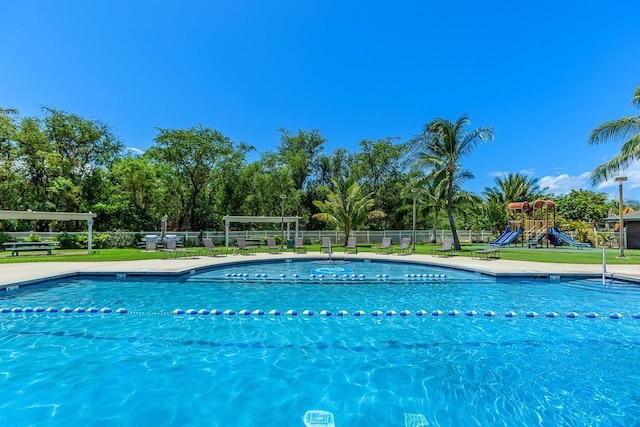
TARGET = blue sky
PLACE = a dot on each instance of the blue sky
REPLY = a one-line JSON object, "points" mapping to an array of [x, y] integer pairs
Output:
{"points": [[542, 74]]}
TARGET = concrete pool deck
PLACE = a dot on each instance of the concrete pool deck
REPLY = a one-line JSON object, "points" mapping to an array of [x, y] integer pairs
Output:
{"points": [[22, 273]]}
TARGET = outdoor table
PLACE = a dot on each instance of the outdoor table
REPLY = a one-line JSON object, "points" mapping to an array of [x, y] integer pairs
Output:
{"points": [[254, 242], [17, 247]]}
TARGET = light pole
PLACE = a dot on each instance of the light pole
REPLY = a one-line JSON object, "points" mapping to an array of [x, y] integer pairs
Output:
{"points": [[415, 194], [282, 197], [621, 179]]}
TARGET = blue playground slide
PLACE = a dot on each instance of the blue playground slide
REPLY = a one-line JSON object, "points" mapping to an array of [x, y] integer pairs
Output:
{"points": [[554, 231], [506, 238]]}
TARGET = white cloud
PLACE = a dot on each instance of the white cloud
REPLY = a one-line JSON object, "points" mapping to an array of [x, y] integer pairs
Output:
{"points": [[134, 150], [564, 183], [633, 179]]}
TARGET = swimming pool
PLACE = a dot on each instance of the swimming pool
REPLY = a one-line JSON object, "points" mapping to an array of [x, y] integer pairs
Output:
{"points": [[404, 360]]}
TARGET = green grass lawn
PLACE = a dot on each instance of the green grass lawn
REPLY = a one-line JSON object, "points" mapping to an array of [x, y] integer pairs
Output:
{"points": [[552, 255]]}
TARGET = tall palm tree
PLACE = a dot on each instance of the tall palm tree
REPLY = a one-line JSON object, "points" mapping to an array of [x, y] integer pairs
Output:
{"points": [[512, 187], [433, 194], [441, 147], [627, 128], [346, 207]]}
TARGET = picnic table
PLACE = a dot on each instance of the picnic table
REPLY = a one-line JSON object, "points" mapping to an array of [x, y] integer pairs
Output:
{"points": [[17, 247]]}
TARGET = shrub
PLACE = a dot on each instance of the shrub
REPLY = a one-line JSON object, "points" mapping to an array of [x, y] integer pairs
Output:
{"points": [[68, 241], [33, 238], [121, 240], [4, 237], [99, 241]]}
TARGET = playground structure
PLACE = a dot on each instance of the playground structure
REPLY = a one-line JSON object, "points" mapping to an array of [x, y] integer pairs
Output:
{"points": [[534, 224]]}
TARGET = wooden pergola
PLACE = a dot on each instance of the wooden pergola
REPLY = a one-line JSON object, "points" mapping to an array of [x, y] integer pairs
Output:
{"points": [[54, 216]]}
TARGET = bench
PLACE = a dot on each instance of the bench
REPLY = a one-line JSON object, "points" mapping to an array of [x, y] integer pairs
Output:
{"points": [[532, 243], [489, 253], [17, 247]]}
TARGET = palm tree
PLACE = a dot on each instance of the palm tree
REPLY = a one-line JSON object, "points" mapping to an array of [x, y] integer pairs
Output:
{"points": [[433, 194], [512, 187], [346, 207], [625, 128], [441, 147]]}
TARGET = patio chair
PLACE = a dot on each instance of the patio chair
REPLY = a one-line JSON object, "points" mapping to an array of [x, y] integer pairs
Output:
{"points": [[272, 246], [298, 245], [445, 250], [210, 248], [325, 246], [385, 246], [242, 246], [405, 246], [351, 245]]}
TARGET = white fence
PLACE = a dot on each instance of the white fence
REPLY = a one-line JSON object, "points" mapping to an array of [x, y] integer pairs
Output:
{"points": [[311, 236]]}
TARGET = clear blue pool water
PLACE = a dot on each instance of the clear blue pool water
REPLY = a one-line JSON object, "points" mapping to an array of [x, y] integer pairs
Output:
{"points": [[153, 367]]}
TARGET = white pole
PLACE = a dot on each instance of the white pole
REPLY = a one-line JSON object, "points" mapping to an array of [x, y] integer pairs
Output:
{"points": [[604, 266], [90, 235]]}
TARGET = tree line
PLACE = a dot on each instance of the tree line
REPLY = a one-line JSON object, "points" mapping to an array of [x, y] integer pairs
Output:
{"points": [[63, 162]]}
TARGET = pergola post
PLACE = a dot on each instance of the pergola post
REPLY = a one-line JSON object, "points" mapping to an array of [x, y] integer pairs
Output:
{"points": [[90, 235]]}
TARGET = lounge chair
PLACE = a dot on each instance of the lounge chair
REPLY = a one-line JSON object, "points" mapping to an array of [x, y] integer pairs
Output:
{"points": [[385, 246], [242, 246], [405, 246], [272, 246], [445, 250], [210, 248], [298, 245], [351, 245], [325, 246]]}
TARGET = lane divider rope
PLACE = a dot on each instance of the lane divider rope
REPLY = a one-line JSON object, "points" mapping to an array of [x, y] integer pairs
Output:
{"points": [[305, 313]]}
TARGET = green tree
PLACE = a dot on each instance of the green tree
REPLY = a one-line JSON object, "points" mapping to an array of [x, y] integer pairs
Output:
{"points": [[584, 205], [508, 188], [192, 156], [626, 128], [10, 177], [347, 207], [376, 162], [300, 153], [433, 190], [137, 196], [513, 187], [441, 147]]}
